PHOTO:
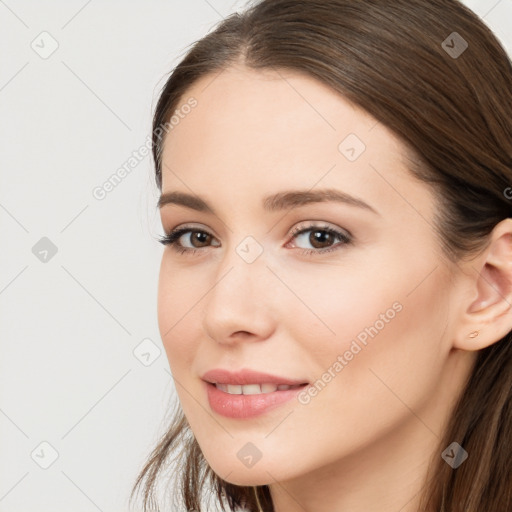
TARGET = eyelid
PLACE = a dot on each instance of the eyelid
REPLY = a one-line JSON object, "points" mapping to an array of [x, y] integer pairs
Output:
{"points": [[321, 226], [170, 237]]}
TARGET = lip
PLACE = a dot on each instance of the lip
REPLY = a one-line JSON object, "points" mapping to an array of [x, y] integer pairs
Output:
{"points": [[247, 406], [247, 376]]}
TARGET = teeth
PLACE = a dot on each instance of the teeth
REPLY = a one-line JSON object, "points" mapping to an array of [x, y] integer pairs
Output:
{"points": [[252, 389], [234, 389], [268, 388]]}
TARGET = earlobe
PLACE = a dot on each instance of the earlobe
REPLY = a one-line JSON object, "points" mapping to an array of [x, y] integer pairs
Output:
{"points": [[488, 317]]}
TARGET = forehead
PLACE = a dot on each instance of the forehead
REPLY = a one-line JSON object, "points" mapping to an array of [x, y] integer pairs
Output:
{"points": [[266, 130], [255, 106]]}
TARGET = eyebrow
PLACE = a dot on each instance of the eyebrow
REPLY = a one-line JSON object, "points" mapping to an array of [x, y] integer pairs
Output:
{"points": [[281, 201]]}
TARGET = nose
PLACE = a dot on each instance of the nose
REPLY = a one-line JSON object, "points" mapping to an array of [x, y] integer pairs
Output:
{"points": [[240, 304]]}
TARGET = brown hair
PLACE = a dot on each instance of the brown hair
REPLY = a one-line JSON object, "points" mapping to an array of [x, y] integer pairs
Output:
{"points": [[398, 60]]}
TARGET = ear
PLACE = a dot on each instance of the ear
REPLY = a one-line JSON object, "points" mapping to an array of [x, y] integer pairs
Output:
{"points": [[488, 313]]}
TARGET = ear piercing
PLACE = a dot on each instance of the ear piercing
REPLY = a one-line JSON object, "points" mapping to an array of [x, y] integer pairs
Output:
{"points": [[474, 334]]}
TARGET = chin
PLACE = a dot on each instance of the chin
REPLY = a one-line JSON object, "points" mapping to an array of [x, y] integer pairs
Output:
{"points": [[236, 474], [246, 478]]}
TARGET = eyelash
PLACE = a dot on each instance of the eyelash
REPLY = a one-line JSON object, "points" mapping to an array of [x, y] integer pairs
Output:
{"points": [[173, 237]]}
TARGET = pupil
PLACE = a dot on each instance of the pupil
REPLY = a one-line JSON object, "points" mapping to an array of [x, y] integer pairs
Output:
{"points": [[319, 237], [198, 235]]}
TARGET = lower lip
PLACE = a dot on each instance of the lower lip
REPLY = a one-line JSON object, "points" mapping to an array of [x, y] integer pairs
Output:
{"points": [[247, 406]]}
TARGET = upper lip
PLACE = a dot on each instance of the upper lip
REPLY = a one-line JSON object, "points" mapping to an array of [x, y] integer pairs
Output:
{"points": [[246, 376]]}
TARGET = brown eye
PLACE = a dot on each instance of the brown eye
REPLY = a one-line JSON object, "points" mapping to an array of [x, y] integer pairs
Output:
{"points": [[199, 238], [320, 238]]}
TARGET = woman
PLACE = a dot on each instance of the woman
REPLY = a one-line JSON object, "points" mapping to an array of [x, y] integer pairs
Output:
{"points": [[335, 290]]}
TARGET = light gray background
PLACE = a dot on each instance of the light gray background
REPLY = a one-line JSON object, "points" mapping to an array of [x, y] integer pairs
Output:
{"points": [[70, 325]]}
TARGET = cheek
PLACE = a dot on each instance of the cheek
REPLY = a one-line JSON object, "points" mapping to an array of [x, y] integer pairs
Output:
{"points": [[364, 297], [359, 326], [331, 307], [178, 295]]}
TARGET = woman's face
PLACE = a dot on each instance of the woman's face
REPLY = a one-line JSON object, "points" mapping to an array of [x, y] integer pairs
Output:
{"points": [[361, 313]]}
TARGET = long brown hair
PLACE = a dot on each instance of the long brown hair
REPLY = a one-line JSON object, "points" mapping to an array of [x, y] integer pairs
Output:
{"points": [[448, 97]]}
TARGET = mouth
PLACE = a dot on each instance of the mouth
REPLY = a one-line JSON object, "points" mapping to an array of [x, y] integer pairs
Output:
{"points": [[249, 382], [248, 393], [254, 389]]}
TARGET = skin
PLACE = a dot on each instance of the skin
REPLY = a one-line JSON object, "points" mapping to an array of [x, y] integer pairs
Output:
{"points": [[364, 441]]}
